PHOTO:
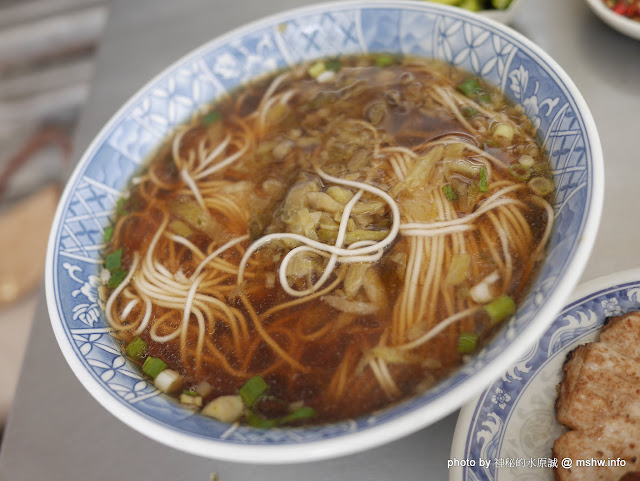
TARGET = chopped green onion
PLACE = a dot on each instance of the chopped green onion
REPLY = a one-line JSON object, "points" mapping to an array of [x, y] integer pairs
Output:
{"points": [[526, 160], [470, 87], [474, 90], [121, 206], [483, 184], [210, 118], [541, 186], [503, 133], [484, 98], [467, 342], [113, 261], [304, 412], [108, 233], [469, 112], [116, 278], [449, 192], [153, 366], [192, 399], [257, 421], [500, 308], [540, 168], [251, 391], [136, 348], [384, 60], [334, 65], [520, 172], [317, 68]]}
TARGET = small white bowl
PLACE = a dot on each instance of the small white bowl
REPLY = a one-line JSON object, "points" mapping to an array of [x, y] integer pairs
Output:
{"points": [[622, 24]]}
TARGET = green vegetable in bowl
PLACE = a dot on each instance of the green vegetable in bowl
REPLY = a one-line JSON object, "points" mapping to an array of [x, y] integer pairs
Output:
{"points": [[477, 5]]}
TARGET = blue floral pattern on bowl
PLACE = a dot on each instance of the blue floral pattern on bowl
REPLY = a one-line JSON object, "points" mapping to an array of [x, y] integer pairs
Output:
{"points": [[512, 423], [483, 47]]}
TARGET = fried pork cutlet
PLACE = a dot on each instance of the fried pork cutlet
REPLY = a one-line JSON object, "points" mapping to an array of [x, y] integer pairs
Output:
{"points": [[599, 399]]}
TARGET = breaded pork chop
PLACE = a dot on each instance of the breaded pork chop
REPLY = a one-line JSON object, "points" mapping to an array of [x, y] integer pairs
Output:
{"points": [[602, 449], [622, 333], [599, 399], [598, 380]]}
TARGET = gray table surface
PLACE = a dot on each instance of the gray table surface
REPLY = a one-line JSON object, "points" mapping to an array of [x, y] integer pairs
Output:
{"points": [[56, 431]]}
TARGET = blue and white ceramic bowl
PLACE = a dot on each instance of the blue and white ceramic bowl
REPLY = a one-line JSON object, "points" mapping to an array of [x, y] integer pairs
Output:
{"points": [[503, 57], [507, 431]]}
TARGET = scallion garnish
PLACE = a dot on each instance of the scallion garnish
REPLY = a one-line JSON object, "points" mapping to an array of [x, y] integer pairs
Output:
{"points": [[116, 278], [113, 261], [334, 65], [121, 206], [449, 192], [317, 68], [469, 112], [153, 366], [108, 233], [541, 186], [469, 87], [520, 172], [190, 393], [384, 60], [500, 308], [483, 184], [210, 118], [474, 90], [467, 342], [304, 412], [136, 348], [251, 391], [255, 389], [257, 421]]}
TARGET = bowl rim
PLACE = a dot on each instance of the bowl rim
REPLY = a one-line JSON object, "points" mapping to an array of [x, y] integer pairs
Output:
{"points": [[622, 24], [397, 427]]}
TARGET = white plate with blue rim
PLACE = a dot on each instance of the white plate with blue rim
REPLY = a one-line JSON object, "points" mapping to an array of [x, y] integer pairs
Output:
{"points": [[507, 432]]}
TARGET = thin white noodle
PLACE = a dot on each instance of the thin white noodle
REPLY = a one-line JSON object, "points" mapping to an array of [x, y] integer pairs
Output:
{"points": [[217, 252], [221, 165], [215, 153], [437, 329], [145, 319], [128, 308], [116, 292]]}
